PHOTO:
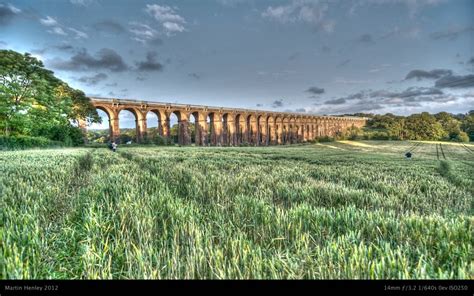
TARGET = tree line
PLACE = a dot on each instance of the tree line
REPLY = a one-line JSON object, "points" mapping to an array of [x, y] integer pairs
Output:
{"points": [[442, 126]]}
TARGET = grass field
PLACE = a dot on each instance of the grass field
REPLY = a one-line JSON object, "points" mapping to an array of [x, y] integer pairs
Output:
{"points": [[333, 210]]}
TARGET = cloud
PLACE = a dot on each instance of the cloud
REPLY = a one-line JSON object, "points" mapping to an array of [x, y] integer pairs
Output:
{"points": [[301, 110], [433, 74], [343, 63], [150, 64], [294, 56], [93, 80], [79, 34], [351, 81], [370, 100], [452, 33], [315, 90], [58, 29], [471, 61], [413, 6], [144, 34], [259, 105], [384, 97], [277, 104], [168, 17], [109, 26], [412, 32], [455, 81], [7, 13], [194, 75], [365, 39], [64, 47], [82, 2], [335, 101], [230, 3], [173, 27], [325, 49], [312, 13], [49, 21], [105, 58]]}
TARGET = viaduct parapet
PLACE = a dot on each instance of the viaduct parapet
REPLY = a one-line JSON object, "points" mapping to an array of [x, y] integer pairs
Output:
{"points": [[219, 126]]}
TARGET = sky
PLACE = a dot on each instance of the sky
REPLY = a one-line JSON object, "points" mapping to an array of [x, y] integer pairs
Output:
{"points": [[313, 56]]}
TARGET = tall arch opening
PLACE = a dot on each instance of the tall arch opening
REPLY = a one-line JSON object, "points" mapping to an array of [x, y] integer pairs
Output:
{"points": [[174, 128], [252, 126], [226, 130], [128, 127], [154, 132], [211, 129], [239, 129], [262, 132], [193, 128], [100, 132]]}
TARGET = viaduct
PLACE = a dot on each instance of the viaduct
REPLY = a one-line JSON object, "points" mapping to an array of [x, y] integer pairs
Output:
{"points": [[218, 126]]}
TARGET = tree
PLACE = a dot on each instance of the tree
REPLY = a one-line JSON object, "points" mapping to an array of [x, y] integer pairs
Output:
{"points": [[33, 101], [23, 82], [468, 125], [423, 127]]}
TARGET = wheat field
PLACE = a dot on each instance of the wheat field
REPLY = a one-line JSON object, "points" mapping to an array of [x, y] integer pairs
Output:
{"points": [[341, 210]]}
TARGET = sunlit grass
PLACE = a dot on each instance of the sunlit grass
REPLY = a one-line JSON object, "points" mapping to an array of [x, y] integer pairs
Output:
{"points": [[268, 212]]}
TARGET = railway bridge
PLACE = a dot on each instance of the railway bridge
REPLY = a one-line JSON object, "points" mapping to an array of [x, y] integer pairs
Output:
{"points": [[219, 126]]}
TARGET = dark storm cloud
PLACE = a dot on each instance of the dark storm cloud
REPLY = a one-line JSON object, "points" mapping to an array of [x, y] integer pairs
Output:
{"points": [[7, 13], [315, 90], [456, 81], [451, 34], [365, 39], [105, 58], [433, 74], [93, 80], [277, 104], [335, 102], [109, 26], [150, 64]]}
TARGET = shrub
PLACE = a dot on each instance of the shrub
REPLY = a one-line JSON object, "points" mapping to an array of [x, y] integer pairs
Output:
{"points": [[325, 139], [462, 137], [25, 142]]}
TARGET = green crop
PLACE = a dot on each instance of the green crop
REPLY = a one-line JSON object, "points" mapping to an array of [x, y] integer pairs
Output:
{"points": [[354, 210]]}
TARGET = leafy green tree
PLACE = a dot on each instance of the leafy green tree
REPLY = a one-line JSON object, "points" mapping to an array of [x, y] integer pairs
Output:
{"points": [[423, 127], [467, 125], [451, 125], [34, 102]]}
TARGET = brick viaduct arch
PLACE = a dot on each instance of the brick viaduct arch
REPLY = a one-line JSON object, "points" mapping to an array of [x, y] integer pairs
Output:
{"points": [[217, 126]]}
